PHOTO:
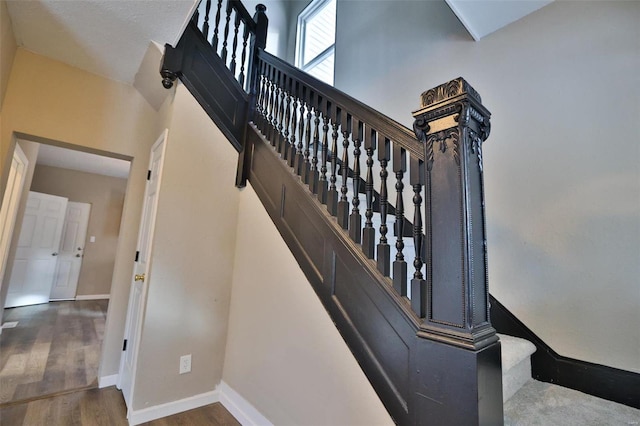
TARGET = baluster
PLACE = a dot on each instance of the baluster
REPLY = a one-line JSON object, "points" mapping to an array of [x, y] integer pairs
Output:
{"points": [[275, 107], [214, 43], [399, 265], [281, 94], [343, 204], [306, 165], [323, 188], [355, 220], [332, 196], [261, 96], [236, 28], [226, 34], [287, 113], [369, 232], [205, 26], [384, 250], [418, 284], [243, 57], [299, 149], [270, 101], [290, 150], [313, 185]]}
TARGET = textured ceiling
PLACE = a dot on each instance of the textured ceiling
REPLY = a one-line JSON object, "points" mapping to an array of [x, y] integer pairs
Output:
{"points": [[107, 37], [483, 17]]}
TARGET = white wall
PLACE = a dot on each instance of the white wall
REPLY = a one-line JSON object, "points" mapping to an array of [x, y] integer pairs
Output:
{"points": [[284, 354], [192, 261], [562, 165]]}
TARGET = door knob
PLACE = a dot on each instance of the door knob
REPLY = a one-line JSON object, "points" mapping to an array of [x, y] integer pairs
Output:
{"points": [[139, 277], [54, 254], [78, 255]]}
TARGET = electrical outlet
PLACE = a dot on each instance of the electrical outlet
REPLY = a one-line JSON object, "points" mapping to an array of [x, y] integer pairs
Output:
{"points": [[185, 364]]}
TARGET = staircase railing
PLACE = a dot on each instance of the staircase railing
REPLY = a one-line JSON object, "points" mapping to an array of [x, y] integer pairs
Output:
{"points": [[421, 333]]}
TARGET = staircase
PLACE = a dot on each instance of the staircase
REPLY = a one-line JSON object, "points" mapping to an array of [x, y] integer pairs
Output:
{"points": [[516, 364], [386, 222]]}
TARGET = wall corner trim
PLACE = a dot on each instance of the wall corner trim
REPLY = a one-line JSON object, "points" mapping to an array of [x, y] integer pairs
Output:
{"points": [[241, 409], [163, 410], [106, 381]]}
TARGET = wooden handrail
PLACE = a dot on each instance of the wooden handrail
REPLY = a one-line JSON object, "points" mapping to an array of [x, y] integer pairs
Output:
{"points": [[395, 131]]}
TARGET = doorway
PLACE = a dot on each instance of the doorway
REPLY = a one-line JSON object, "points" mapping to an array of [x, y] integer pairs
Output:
{"points": [[56, 347]]}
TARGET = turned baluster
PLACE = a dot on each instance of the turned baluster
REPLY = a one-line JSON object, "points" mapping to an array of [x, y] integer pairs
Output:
{"points": [[205, 26], [287, 113], [270, 104], [306, 165], [355, 220], [343, 204], [289, 151], [281, 104], [399, 264], [243, 57], [214, 43], [418, 284], [226, 33], [369, 232], [384, 250], [236, 28], [323, 187], [299, 156], [314, 178], [261, 97], [332, 196]]}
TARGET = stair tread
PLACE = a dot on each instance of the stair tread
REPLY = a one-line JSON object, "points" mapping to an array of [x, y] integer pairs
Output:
{"points": [[514, 350]]}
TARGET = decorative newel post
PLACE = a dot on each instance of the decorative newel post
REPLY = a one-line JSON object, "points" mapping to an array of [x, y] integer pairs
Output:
{"points": [[459, 359]]}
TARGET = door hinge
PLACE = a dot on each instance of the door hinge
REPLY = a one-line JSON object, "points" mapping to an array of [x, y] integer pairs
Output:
{"points": [[124, 345], [148, 174], [137, 255]]}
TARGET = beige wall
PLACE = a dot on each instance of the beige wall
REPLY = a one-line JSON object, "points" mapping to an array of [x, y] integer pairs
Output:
{"points": [[106, 196], [30, 150], [192, 260], [49, 99], [7, 49], [284, 354], [562, 165]]}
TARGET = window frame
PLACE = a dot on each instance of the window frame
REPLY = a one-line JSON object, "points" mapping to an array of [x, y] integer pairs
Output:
{"points": [[313, 8]]}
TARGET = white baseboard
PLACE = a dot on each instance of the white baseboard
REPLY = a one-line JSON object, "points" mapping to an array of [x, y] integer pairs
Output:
{"points": [[106, 381], [163, 410], [93, 296], [241, 409]]}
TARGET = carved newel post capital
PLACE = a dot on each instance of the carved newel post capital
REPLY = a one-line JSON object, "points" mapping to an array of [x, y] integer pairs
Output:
{"points": [[452, 124]]}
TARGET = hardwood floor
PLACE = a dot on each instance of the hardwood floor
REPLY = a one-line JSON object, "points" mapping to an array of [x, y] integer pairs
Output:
{"points": [[55, 347], [98, 407], [49, 369]]}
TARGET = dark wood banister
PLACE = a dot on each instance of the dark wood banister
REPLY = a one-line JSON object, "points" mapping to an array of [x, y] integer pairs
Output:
{"points": [[395, 131], [445, 371]]}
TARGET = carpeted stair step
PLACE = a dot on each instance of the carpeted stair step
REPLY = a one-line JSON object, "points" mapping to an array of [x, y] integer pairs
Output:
{"points": [[516, 364]]}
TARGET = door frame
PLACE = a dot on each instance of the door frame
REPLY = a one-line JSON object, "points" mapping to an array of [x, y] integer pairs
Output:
{"points": [[161, 143], [10, 204]]}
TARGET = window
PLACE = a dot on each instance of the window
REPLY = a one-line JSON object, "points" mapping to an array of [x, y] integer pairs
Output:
{"points": [[315, 45]]}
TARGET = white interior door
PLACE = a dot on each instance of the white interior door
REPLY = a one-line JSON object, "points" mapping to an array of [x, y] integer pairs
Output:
{"points": [[34, 266], [74, 234], [10, 203], [140, 280]]}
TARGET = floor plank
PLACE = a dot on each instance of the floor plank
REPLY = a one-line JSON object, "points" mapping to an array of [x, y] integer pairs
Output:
{"points": [[55, 347], [101, 407]]}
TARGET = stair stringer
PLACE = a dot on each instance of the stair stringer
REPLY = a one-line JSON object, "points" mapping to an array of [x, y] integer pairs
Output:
{"points": [[377, 324]]}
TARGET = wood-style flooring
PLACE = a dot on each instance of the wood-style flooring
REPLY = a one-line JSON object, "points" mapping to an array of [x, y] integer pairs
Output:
{"points": [[49, 369], [54, 348], [101, 407]]}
